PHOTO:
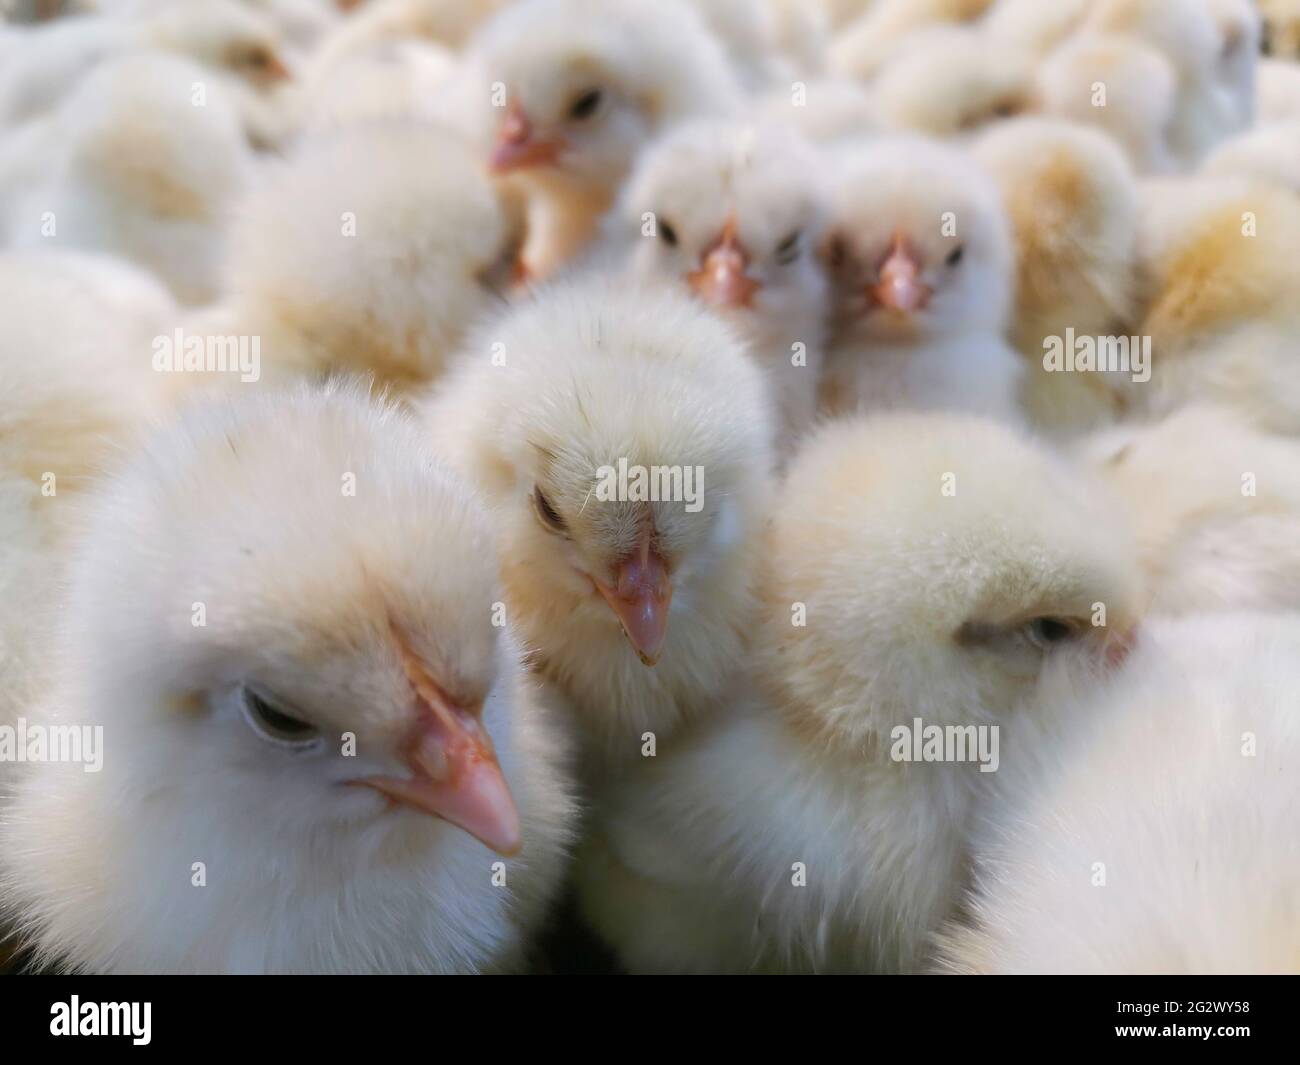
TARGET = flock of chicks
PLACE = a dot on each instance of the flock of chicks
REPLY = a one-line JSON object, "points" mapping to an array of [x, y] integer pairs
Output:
{"points": [[381, 677]]}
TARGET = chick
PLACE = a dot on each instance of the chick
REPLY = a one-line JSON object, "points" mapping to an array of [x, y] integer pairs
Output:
{"points": [[1217, 508], [862, 48], [405, 253], [225, 37], [1269, 152], [736, 217], [573, 89], [952, 82], [822, 110], [1032, 27], [1151, 832], [1072, 199], [1277, 91], [133, 166], [1213, 63], [633, 590], [1217, 262], [920, 255], [1126, 88], [787, 835], [313, 775]]}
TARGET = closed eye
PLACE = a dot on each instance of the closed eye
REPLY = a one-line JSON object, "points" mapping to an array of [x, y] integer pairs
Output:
{"points": [[788, 250], [547, 514], [271, 720]]}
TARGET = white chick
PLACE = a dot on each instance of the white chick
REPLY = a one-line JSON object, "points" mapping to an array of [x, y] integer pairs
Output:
{"points": [[1174, 782], [1269, 152], [785, 837], [222, 35], [316, 777], [1031, 26], [1218, 264], [573, 89], [398, 79], [1216, 506], [405, 252], [134, 168], [822, 110], [1124, 87], [1277, 91], [920, 256], [951, 82], [861, 49], [736, 218], [1213, 63], [1072, 200], [634, 600]]}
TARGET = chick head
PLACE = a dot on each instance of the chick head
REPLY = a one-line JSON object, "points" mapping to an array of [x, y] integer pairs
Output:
{"points": [[287, 602], [918, 244], [227, 36], [938, 562], [576, 87], [736, 214], [625, 441]]}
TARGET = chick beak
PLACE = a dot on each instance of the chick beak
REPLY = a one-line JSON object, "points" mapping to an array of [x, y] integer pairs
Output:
{"points": [[721, 280], [454, 770], [277, 71], [899, 287], [640, 599], [517, 148]]}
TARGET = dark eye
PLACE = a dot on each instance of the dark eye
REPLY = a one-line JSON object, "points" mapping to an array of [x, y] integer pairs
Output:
{"points": [[788, 250], [547, 514], [585, 105], [270, 720], [1050, 631], [259, 59], [954, 256], [668, 234], [836, 253]]}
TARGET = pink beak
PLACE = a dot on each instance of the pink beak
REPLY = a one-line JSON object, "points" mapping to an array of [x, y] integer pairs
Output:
{"points": [[517, 148], [640, 599], [721, 280], [454, 770], [900, 287]]}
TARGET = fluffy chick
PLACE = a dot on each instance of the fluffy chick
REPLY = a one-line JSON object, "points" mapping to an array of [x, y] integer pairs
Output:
{"points": [[1269, 152], [325, 745], [571, 90], [404, 253], [1220, 274], [1072, 200], [1148, 781], [1032, 27], [823, 110], [920, 256], [885, 599], [605, 584], [737, 215], [860, 50], [131, 166], [1216, 506], [1277, 91], [951, 82]]}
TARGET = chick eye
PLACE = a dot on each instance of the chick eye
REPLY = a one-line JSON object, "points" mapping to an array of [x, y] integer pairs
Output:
{"points": [[1047, 632], [272, 723], [836, 253], [585, 105], [788, 250], [955, 256], [547, 514], [668, 234], [259, 59]]}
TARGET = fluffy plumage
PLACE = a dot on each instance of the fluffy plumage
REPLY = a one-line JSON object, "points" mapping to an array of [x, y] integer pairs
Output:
{"points": [[920, 255], [1148, 777], [862, 48], [344, 612], [1269, 152], [738, 215], [579, 377], [916, 603]]}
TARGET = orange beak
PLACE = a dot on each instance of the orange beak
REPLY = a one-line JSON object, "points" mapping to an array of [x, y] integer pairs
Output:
{"points": [[277, 71], [640, 599], [454, 770], [517, 148], [899, 287], [721, 280]]}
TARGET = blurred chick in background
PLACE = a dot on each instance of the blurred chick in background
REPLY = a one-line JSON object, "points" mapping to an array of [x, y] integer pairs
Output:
{"points": [[886, 598], [736, 214], [637, 607], [232, 829], [919, 254]]}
